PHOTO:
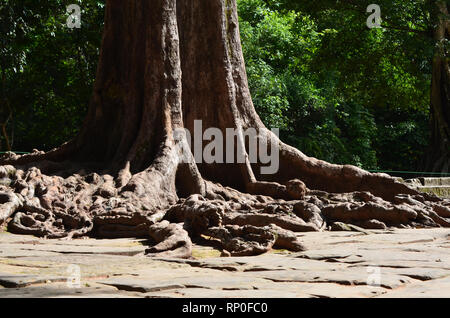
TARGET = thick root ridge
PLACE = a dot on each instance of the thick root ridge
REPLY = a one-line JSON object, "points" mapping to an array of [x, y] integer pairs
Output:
{"points": [[173, 241], [9, 203], [244, 240], [249, 240]]}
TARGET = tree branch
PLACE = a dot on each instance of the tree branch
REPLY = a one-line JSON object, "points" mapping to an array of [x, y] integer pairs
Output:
{"points": [[400, 28]]}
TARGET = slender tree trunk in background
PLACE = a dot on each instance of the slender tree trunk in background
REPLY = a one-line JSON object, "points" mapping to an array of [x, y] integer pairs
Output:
{"points": [[4, 126], [7, 114], [163, 65], [438, 158]]}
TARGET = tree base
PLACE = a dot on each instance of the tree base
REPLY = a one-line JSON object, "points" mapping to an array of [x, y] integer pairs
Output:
{"points": [[146, 204]]}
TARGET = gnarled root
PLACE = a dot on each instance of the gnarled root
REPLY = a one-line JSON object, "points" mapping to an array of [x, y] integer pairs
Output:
{"points": [[286, 239], [36, 224], [244, 240], [368, 211], [244, 228], [249, 240], [9, 203], [145, 205], [173, 241], [294, 189]]}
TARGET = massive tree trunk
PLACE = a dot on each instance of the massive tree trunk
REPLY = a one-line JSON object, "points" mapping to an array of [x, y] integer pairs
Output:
{"points": [[165, 64], [438, 158]]}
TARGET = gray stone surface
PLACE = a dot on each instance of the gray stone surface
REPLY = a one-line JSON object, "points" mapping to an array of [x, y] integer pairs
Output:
{"points": [[437, 186], [60, 290], [398, 263], [347, 277], [217, 293], [11, 281], [140, 285], [435, 181], [438, 288]]}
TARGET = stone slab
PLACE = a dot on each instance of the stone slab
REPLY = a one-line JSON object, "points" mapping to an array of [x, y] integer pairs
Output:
{"points": [[336, 264]]}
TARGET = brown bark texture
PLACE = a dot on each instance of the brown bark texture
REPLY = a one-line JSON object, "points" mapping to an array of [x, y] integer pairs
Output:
{"points": [[163, 65], [438, 157]]}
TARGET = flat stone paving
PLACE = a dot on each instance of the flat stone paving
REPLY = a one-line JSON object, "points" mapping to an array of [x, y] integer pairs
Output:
{"points": [[398, 263]]}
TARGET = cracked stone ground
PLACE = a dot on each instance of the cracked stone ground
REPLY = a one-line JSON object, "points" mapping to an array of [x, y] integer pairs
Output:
{"points": [[405, 263]]}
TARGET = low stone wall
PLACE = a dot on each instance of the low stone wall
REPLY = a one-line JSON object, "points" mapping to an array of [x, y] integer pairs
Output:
{"points": [[437, 186]]}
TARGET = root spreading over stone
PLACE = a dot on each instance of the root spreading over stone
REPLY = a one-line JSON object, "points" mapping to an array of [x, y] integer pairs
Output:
{"points": [[55, 206]]}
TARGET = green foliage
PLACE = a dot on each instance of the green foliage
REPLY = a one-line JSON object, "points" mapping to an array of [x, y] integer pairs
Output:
{"points": [[336, 89], [280, 48], [48, 68]]}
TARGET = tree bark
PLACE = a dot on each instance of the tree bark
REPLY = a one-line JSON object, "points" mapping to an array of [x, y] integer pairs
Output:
{"points": [[163, 65], [438, 158]]}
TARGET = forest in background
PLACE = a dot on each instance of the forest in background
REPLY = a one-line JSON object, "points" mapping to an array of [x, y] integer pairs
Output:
{"points": [[337, 90]]}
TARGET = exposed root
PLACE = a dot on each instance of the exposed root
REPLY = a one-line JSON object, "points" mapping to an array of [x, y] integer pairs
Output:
{"points": [[285, 221], [146, 205], [50, 227], [173, 241], [286, 239], [244, 240], [9, 203], [248, 240], [36, 157], [292, 190]]}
